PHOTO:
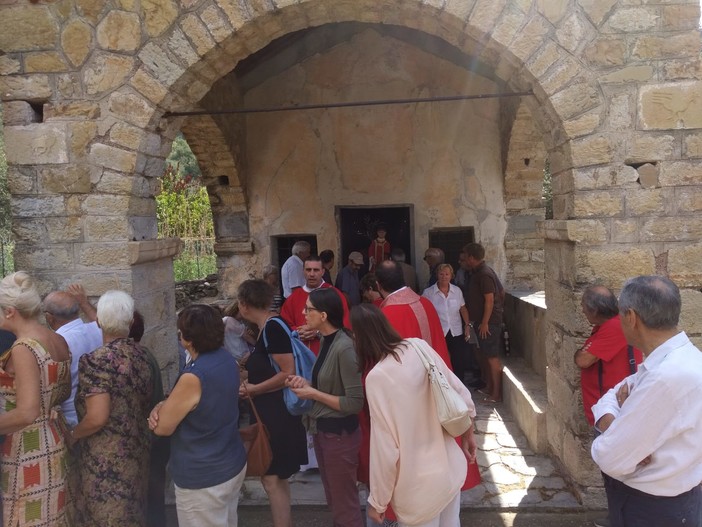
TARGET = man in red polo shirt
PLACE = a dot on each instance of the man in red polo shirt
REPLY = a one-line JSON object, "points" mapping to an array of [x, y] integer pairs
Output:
{"points": [[604, 358]]}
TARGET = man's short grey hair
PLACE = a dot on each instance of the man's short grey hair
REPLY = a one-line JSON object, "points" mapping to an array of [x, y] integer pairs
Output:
{"points": [[436, 253], [655, 299], [61, 305], [301, 247], [601, 301], [397, 254], [115, 311]]}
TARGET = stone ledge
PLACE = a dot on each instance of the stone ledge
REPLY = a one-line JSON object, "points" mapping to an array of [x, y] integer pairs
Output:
{"points": [[524, 393], [233, 247], [151, 250]]}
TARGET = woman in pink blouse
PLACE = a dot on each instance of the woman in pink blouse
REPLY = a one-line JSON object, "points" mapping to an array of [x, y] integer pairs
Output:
{"points": [[415, 466]]}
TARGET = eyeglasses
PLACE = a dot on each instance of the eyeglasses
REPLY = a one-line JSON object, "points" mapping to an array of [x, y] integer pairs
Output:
{"points": [[307, 309]]}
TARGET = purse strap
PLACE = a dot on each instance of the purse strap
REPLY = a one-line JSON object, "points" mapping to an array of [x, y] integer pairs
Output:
{"points": [[426, 359], [253, 406]]}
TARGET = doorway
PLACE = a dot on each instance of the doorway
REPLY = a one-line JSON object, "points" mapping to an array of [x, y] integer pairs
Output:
{"points": [[357, 229]]}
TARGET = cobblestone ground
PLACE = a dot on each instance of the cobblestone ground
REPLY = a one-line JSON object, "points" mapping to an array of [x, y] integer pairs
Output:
{"points": [[512, 474]]}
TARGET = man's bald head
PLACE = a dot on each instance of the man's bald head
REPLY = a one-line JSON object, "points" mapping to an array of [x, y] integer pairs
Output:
{"points": [[62, 307]]}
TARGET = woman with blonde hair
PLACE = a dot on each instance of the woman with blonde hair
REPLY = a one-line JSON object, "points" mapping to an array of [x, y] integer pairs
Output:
{"points": [[34, 380]]}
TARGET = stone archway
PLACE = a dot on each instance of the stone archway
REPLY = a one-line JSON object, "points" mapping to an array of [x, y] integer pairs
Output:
{"points": [[85, 89]]}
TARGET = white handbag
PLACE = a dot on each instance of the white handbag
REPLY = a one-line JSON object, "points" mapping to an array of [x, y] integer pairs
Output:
{"points": [[451, 408]]}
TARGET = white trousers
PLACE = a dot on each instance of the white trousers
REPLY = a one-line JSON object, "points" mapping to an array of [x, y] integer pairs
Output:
{"points": [[449, 517], [212, 506]]}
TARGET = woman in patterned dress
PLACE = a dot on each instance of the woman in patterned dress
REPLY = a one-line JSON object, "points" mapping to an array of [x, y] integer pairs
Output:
{"points": [[34, 380], [113, 439]]}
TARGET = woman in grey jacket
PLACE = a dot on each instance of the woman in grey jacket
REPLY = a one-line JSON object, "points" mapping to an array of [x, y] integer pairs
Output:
{"points": [[337, 393]]}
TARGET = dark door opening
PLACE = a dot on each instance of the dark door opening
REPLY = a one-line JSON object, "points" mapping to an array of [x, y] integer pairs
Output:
{"points": [[282, 245], [451, 240], [357, 230]]}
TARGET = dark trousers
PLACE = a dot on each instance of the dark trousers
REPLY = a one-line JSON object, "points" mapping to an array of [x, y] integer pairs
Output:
{"points": [[337, 456], [632, 508], [458, 352], [156, 500]]}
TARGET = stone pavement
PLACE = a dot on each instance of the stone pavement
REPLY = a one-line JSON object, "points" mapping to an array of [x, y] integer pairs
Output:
{"points": [[512, 474]]}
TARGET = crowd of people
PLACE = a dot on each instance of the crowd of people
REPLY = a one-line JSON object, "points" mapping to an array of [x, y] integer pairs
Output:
{"points": [[87, 429]]}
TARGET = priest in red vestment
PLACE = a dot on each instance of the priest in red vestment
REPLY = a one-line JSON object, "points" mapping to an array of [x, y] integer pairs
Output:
{"points": [[292, 310]]}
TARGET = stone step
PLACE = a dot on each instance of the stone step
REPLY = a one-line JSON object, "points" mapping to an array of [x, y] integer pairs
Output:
{"points": [[524, 393]]}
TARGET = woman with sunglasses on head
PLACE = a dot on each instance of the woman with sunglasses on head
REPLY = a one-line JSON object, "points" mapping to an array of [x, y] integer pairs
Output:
{"points": [[337, 393]]}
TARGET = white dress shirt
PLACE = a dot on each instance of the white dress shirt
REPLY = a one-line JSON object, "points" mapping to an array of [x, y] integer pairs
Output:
{"points": [[292, 274], [662, 417], [81, 338], [448, 308]]}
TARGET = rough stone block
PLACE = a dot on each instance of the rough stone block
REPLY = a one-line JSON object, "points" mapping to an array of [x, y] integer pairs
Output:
{"points": [[116, 183], [9, 65], [629, 74], [690, 320], [197, 32], [46, 257], [688, 199], [530, 37], [105, 72], [149, 87], [76, 39], [648, 175], [114, 158], [592, 150], [119, 31], [81, 134], [573, 32], [71, 179], [670, 229], [670, 106], [620, 112], [692, 144], [65, 230], [37, 207], [652, 47], [679, 17], [597, 203], [583, 125], [632, 20], [575, 100], [578, 461], [216, 22], [44, 62], [157, 61], [624, 231], [18, 113], [645, 202], [485, 14], [596, 10], [685, 269], [131, 107], [158, 15], [21, 180], [71, 110], [27, 27], [102, 255], [106, 228], [611, 266], [607, 51], [682, 69], [680, 173], [32, 88], [652, 147], [36, 144], [553, 10]]}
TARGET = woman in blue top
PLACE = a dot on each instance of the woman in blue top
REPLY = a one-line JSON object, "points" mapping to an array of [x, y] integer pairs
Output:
{"points": [[208, 459]]}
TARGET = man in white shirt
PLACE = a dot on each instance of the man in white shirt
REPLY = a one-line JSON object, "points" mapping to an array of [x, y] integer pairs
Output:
{"points": [[651, 422], [292, 273], [61, 311]]}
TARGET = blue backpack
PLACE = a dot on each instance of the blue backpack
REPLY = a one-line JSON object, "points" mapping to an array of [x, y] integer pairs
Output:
{"points": [[304, 362]]}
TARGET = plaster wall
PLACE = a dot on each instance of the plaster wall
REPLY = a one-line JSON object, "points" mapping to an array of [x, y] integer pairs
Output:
{"points": [[443, 158]]}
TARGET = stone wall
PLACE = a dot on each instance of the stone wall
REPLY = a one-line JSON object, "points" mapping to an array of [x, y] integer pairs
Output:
{"points": [[615, 103]]}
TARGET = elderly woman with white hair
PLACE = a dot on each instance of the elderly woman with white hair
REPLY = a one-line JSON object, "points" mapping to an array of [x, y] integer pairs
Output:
{"points": [[113, 403]]}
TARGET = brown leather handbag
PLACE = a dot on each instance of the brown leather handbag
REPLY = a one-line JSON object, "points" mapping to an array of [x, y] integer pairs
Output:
{"points": [[258, 447]]}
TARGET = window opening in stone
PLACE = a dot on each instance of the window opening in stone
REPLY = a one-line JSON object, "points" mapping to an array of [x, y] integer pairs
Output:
{"points": [[451, 240], [357, 229], [183, 211], [223, 181]]}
